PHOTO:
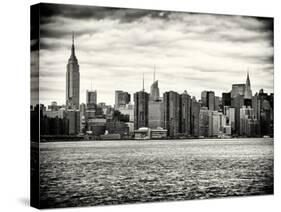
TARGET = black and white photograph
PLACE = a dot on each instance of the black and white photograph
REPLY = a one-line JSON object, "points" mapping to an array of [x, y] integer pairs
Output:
{"points": [[138, 105]]}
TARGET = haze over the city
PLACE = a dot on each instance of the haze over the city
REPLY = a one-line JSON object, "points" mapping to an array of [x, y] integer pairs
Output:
{"points": [[114, 47]]}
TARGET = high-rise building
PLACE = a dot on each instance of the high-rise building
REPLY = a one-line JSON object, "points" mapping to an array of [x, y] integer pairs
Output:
{"points": [[171, 102], [141, 100], [73, 117], [91, 98], [248, 92], [237, 102], [156, 107], [155, 114], [211, 100], [204, 99], [122, 98], [226, 99], [229, 112], [72, 80], [217, 103], [194, 123], [154, 90], [204, 118], [237, 89], [248, 123], [185, 109], [208, 99]]}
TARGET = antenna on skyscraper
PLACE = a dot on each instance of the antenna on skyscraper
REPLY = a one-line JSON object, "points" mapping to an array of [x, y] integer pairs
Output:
{"points": [[72, 38], [142, 81], [154, 74]]}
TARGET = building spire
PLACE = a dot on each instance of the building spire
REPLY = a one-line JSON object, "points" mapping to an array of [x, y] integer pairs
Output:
{"points": [[72, 38], [142, 81], [72, 47], [248, 91], [248, 79], [154, 74]]}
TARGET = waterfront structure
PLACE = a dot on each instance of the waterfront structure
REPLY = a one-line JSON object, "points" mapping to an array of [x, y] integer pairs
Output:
{"points": [[143, 133], [227, 130], [122, 98], [117, 127], [158, 133], [131, 128], [185, 116], [171, 100], [96, 126], [72, 80]]}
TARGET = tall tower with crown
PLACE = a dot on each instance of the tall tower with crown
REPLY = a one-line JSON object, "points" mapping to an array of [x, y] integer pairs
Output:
{"points": [[154, 89], [72, 80], [248, 92]]}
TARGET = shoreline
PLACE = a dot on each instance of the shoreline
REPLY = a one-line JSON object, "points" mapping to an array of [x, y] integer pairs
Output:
{"points": [[166, 139]]}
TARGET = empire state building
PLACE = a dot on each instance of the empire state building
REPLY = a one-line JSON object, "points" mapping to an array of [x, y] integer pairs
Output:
{"points": [[72, 80]]}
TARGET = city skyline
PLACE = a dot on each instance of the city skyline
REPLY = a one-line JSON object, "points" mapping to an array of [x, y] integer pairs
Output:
{"points": [[113, 58]]}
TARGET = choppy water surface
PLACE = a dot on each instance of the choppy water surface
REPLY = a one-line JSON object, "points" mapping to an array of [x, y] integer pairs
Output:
{"points": [[114, 172]]}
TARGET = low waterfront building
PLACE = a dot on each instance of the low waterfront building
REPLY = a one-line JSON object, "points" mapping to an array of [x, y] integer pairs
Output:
{"points": [[158, 133], [142, 133]]}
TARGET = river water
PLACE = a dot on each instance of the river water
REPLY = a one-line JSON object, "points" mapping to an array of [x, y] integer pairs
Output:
{"points": [[115, 172]]}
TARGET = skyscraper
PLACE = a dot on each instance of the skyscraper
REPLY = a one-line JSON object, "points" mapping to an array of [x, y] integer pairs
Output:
{"points": [[171, 101], [204, 99], [72, 80], [211, 100], [185, 108], [194, 123], [237, 89], [91, 97], [226, 99], [141, 100], [156, 107], [248, 92], [122, 98], [154, 89]]}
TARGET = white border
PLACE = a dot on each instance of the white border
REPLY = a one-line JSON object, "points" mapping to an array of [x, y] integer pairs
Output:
{"points": [[14, 63]]}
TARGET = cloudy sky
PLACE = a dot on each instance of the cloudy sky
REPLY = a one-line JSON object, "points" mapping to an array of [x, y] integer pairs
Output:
{"points": [[114, 47]]}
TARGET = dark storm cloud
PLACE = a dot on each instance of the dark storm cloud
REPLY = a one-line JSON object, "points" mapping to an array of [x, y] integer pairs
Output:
{"points": [[98, 13]]}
